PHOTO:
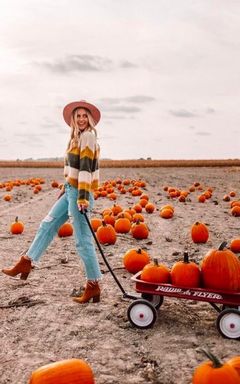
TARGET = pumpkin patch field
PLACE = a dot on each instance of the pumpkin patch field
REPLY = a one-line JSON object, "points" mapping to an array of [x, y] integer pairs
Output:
{"points": [[166, 216]]}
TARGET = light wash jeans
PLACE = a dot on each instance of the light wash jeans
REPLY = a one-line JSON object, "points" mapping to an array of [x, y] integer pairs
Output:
{"points": [[64, 208]]}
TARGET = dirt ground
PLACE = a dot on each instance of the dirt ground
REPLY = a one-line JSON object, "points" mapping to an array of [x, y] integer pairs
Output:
{"points": [[40, 323]]}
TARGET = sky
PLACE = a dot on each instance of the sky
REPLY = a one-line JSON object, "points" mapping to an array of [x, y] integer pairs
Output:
{"points": [[164, 73]]}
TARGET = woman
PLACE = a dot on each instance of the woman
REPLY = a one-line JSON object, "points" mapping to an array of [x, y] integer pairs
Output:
{"points": [[82, 175]]}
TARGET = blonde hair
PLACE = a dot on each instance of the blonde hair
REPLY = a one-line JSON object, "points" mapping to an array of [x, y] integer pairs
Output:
{"points": [[75, 131]]}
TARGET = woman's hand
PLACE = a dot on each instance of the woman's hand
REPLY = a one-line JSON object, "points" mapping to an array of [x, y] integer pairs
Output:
{"points": [[82, 207], [62, 191]]}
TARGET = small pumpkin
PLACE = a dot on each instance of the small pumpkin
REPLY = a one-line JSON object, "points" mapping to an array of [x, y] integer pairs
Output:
{"points": [[235, 211], [106, 234], [199, 232], [166, 213], [149, 207], [214, 371], [95, 223], [155, 273], [139, 230], [65, 230], [72, 371], [135, 260], [235, 245], [221, 269], [7, 197], [17, 227], [186, 273], [54, 184]]}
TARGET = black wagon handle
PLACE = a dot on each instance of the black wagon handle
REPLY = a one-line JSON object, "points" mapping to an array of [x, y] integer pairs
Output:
{"points": [[125, 294]]}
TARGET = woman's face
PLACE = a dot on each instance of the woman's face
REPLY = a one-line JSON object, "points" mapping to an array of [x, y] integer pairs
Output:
{"points": [[81, 119]]}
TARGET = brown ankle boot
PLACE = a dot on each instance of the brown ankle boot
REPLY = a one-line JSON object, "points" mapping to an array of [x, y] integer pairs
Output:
{"points": [[23, 266], [92, 291]]}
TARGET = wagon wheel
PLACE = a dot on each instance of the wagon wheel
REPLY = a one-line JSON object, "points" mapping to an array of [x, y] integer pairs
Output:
{"points": [[155, 300], [142, 314], [228, 323]]}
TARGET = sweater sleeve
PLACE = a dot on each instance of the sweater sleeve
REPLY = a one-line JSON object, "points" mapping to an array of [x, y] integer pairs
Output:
{"points": [[86, 162]]}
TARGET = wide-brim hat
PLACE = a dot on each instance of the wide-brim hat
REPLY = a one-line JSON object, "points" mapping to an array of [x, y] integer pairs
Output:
{"points": [[69, 108]]}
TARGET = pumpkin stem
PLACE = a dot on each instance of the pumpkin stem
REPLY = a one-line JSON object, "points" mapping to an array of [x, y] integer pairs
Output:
{"points": [[155, 261], [222, 246], [215, 360], [139, 250], [185, 257], [16, 219], [104, 223]]}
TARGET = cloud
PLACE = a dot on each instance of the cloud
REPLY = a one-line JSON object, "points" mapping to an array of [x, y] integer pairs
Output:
{"points": [[140, 99], [121, 108], [127, 64], [210, 110], [78, 63], [182, 113]]}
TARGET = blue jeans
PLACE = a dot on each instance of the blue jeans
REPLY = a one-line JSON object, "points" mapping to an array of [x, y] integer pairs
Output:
{"points": [[64, 208]]}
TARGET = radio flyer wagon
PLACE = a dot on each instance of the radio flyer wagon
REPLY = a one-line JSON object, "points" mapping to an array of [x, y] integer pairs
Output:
{"points": [[142, 312]]}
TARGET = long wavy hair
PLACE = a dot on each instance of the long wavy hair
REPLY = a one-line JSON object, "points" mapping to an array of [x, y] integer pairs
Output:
{"points": [[76, 132]]}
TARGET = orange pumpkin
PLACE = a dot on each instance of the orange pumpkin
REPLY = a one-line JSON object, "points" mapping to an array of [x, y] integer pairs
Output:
{"points": [[166, 213], [7, 197], [55, 184], [116, 209], [65, 230], [17, 227], [185, 273], [72, 371], [214, 371], [106, 234], [235, 245], [139, 230], [235, 363], [122, 225], [149, 207], [221, 269], [199, 232], [135, 259], [95, 223], [235, 211], [155, 273]]}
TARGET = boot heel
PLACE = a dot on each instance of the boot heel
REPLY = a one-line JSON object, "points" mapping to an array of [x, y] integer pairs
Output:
{"points": [[24, 276], [96, 299]]}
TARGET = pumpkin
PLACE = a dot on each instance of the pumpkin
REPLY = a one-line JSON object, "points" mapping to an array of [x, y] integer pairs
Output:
{"points": [[155, 273], [135, 259], [137, 217], [235, 211], [106, 234], [199, 232], [109, 218], [214, 371], [201, 198], [143, 202], [166, 213], [72, 371], [138, 208], [17, 227], [221, 269], [55, 184], [149, 207], [235, 363], [116, 209], [7, 197], [185, 273], [65, 230], [139, 230], [235, 245], [122, 225], [95, 223]]}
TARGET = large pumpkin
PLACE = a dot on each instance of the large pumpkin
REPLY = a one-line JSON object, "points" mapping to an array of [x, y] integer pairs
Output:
{"points": [[72, 371], [135, 260], [185, 273], [221, 269], [155, 273], [214, 371]]}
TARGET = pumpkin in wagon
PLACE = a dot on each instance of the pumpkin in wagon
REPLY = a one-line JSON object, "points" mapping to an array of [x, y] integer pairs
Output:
{"points": [[186, 273], [220, 269], [155, 273]]}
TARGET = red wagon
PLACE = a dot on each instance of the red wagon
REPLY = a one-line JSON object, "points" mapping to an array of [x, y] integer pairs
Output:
{"points": [[142, 313]]}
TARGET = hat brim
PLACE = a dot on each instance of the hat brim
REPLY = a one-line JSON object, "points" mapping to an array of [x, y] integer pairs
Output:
{"points": [[69, 108]]}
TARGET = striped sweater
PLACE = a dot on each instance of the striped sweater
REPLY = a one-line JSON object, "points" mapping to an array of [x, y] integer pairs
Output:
{"points": [[81, 166]]}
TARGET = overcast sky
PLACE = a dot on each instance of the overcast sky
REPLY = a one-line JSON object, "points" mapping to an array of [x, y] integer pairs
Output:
{"points": [[164, 73]]}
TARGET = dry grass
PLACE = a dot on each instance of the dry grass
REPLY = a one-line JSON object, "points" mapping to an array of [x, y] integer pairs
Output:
{"points": [[127, 163]]}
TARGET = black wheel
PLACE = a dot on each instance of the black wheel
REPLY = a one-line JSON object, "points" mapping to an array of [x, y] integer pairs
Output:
{"points": [[155, 300], [228, 323], [142, 314]]}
